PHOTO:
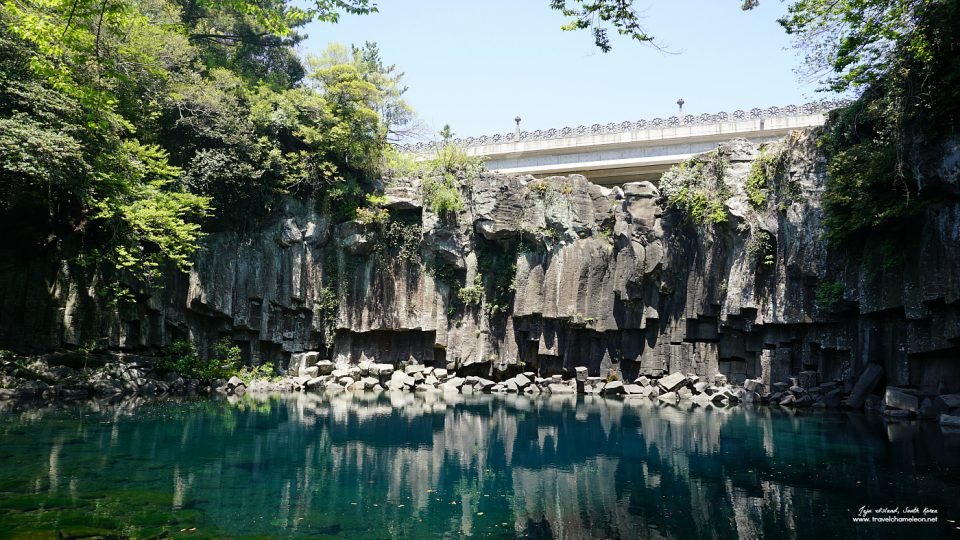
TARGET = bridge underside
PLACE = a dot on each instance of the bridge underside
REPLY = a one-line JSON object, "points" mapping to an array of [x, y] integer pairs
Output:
{"points": [[618, 158], [606, 173]]}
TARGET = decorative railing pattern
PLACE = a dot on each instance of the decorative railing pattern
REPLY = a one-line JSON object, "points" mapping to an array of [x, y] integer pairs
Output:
{"points": [[623, 127]]}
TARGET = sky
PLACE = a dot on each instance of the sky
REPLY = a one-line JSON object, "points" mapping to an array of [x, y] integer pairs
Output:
{"points": [[478, 64]]}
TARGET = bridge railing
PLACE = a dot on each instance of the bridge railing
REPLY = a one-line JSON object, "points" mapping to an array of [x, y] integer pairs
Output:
{"points": [[815, 107]]}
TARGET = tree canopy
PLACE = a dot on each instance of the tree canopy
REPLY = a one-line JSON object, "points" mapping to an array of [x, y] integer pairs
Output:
{"points": [[125, 123]]}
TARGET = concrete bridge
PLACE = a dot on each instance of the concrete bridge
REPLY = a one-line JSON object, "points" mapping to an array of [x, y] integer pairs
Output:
{"points": [[616, 153]]}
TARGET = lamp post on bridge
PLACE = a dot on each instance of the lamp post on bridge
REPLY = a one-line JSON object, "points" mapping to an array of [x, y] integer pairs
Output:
{"points": [[516, 135], [680, 103]]}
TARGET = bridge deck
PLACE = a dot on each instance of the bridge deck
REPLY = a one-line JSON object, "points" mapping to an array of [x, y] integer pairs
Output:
{"points": [[631, 151], [616, 158]]}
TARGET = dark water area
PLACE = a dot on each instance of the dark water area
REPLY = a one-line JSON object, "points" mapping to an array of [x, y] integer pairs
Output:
{"points": [[447, 466]]}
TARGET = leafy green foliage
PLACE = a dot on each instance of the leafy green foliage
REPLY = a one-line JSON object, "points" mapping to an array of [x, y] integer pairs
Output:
{"points": [[248, 374], [182, 358], [763, 171], [762, 249], [594, 15], [127, 124], [829, 293], [696, 188], [327, 305], [497, 263], [395, 115], [906, 53], [472, 295], [856, 39], [442, 194]]}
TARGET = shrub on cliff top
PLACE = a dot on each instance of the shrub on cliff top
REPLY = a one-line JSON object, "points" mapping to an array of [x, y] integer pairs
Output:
{"points": [[686, 188]]}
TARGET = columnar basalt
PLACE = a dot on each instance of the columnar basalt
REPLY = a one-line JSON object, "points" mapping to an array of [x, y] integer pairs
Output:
{"points": [[547, 275]]}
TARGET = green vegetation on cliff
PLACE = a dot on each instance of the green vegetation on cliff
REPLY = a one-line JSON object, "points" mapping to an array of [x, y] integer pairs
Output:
{"points": [[905, 57], [124, 123]]}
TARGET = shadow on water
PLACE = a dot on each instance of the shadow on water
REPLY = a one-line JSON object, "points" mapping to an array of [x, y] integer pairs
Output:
{"points": [[434, 465]]}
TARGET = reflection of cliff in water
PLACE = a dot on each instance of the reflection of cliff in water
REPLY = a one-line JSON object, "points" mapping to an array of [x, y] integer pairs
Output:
{"points": [[550, 467]]}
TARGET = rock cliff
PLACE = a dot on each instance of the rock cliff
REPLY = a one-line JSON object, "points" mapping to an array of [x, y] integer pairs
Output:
{"points": [[547, 275]]}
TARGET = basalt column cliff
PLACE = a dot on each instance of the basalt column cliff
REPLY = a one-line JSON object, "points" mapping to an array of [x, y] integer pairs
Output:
{"points": [[550, 274]]}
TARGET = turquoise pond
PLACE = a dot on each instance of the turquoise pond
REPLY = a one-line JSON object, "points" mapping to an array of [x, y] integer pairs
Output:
{"points": [[433, 466]]}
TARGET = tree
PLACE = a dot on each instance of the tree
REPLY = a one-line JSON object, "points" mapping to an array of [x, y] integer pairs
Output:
{"points": [[396, 115], [595, 15], [853, 39], [124, 123]]}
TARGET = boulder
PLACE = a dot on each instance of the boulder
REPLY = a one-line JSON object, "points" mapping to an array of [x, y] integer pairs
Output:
{"points": [[949, 420], [581, 372], [484, 384], [613, 388], [522, 380], [865, 384], [558, 388], [634, 390], [949, 401], [642, 380], [413, 368], [787, 400], [324, 367], [673, 381], [899, 398], [381, 370], [753, 385], [234, 382]]}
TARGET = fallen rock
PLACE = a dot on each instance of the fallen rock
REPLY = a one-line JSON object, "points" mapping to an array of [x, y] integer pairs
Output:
{"points": [[613, 388], [559, 388], [324, 367], [673, 381], [949, 401], [898, 398], [381, 370], [865, 384]]}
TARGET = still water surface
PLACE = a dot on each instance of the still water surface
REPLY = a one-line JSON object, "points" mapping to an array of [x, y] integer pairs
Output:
{"points": [[415, 466]]}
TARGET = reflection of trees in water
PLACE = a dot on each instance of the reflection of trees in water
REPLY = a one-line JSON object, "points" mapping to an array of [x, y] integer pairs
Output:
{"points": [[564, 467]]}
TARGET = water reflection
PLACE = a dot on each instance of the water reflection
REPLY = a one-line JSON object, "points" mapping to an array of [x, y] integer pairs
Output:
{"points": [[427, 465]]}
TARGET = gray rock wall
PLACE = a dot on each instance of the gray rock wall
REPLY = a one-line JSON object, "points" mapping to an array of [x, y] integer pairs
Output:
{"points": [[574, 274]]}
